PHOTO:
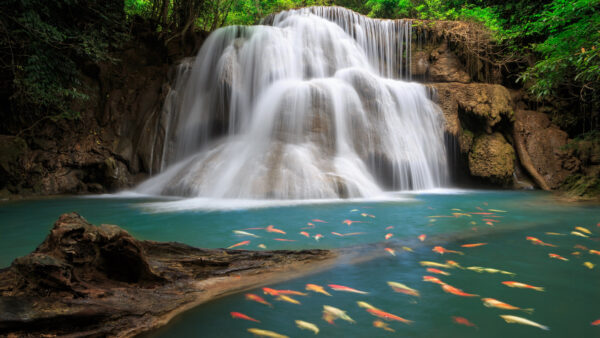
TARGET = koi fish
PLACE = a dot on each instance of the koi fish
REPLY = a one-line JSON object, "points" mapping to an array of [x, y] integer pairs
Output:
{"points": [[595, 322], [463, 321], [365, 305], [576, 233], [491, 302], [482, 213], [349, 222], [328, 318], [442, 250], [336, 287], [307, 326], [285, 298], [576, 253], [551, 255], [311, 225], [490, 220], [265, 333], [579, 246], [354, 233], [271, 228], [473, 245], [594, 252], [337, 234], [554, 234], [405, 248], [318, 220], [364, 214], [455, 209], [582, 229], [455, 291], [432, 279], [589, 265], [258, 299], [437, 271], [391, 251], [275, 292], [387, 316], [388, 236], [382, 325], [518, 320], [305, 234], [522, 286], [337, 313], [422, 237], [439, 265], [318, 237], [399, 287], [390, 227], [284, 240], [480, 269], [238, 244], [454, 264], [244, 233], [536, 241], [496, 210], [262, 246], [254, 229], [317, 288], [238, 315], [354, 210]]}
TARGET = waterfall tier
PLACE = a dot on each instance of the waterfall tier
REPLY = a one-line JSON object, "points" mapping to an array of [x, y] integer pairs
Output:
{"points": [[308, 106]]}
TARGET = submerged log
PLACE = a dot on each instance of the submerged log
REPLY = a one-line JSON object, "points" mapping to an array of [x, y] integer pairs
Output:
{"points": [[87, 280]]}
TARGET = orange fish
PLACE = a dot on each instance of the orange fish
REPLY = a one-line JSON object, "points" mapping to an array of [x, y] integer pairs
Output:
{"points": [[239, 315], [491, 302], [454, 264], [557, 257], [318, 237], [310, 225], [442, 251], [536, 241], [594, 252], [390, 227], [354, 233], [258, 299], [433, 280], [304, 233], [597, 321], [337, 234], [329, 318], [349, 222], [473, 245], [336, 287], [271, 228], [238, 244], [388, 236], [479, 208], [422, 237], [455, 291], [381, 325], [275, 292], [481, 213], [463, 321], [317, 288], [387, 316], [490, 220], [439, 272], [284, 240], [254, 229], [391, 251], [578, 246], [318, 220], [513, 284]]}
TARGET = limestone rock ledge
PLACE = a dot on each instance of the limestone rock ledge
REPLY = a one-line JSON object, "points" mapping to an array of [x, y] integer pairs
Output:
{"points": [[87, 280]]}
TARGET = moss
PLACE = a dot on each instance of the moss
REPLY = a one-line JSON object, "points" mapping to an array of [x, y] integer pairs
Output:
{"points": [[583, 186], [492, 158]]}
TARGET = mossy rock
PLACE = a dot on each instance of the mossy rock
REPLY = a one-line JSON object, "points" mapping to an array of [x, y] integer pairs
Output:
{"points": [[492, 158]]}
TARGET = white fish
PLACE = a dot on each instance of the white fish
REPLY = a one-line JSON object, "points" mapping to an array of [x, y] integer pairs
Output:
{"points": [[307, 326], [337, 313], [244, 233], [519, 320], [265, 333], [576, 233]]}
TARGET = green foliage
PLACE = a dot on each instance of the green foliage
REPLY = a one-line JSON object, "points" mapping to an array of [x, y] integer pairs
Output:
{"points": [[40, 46]]}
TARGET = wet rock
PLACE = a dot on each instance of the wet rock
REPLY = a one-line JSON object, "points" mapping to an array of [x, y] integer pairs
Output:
{"points": [[545, 146], [87, 280], [492, 159], [446, 67]]}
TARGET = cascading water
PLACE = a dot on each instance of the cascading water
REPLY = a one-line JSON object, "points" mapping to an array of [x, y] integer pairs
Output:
{"points": [[309, 106]]}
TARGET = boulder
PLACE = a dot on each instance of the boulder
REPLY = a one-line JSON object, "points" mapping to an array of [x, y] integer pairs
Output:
{"points": [[492, 159]]}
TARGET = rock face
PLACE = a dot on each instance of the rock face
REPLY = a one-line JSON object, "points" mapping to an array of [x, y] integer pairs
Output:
{"points": [[86, 280], [492, 158], [544, 145]]}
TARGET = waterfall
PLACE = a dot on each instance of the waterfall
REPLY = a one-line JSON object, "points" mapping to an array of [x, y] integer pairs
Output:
{"points": [[311, 104]]}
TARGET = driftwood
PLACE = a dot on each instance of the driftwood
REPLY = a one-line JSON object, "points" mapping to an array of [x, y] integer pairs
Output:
{"points": [[87, 280]]}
